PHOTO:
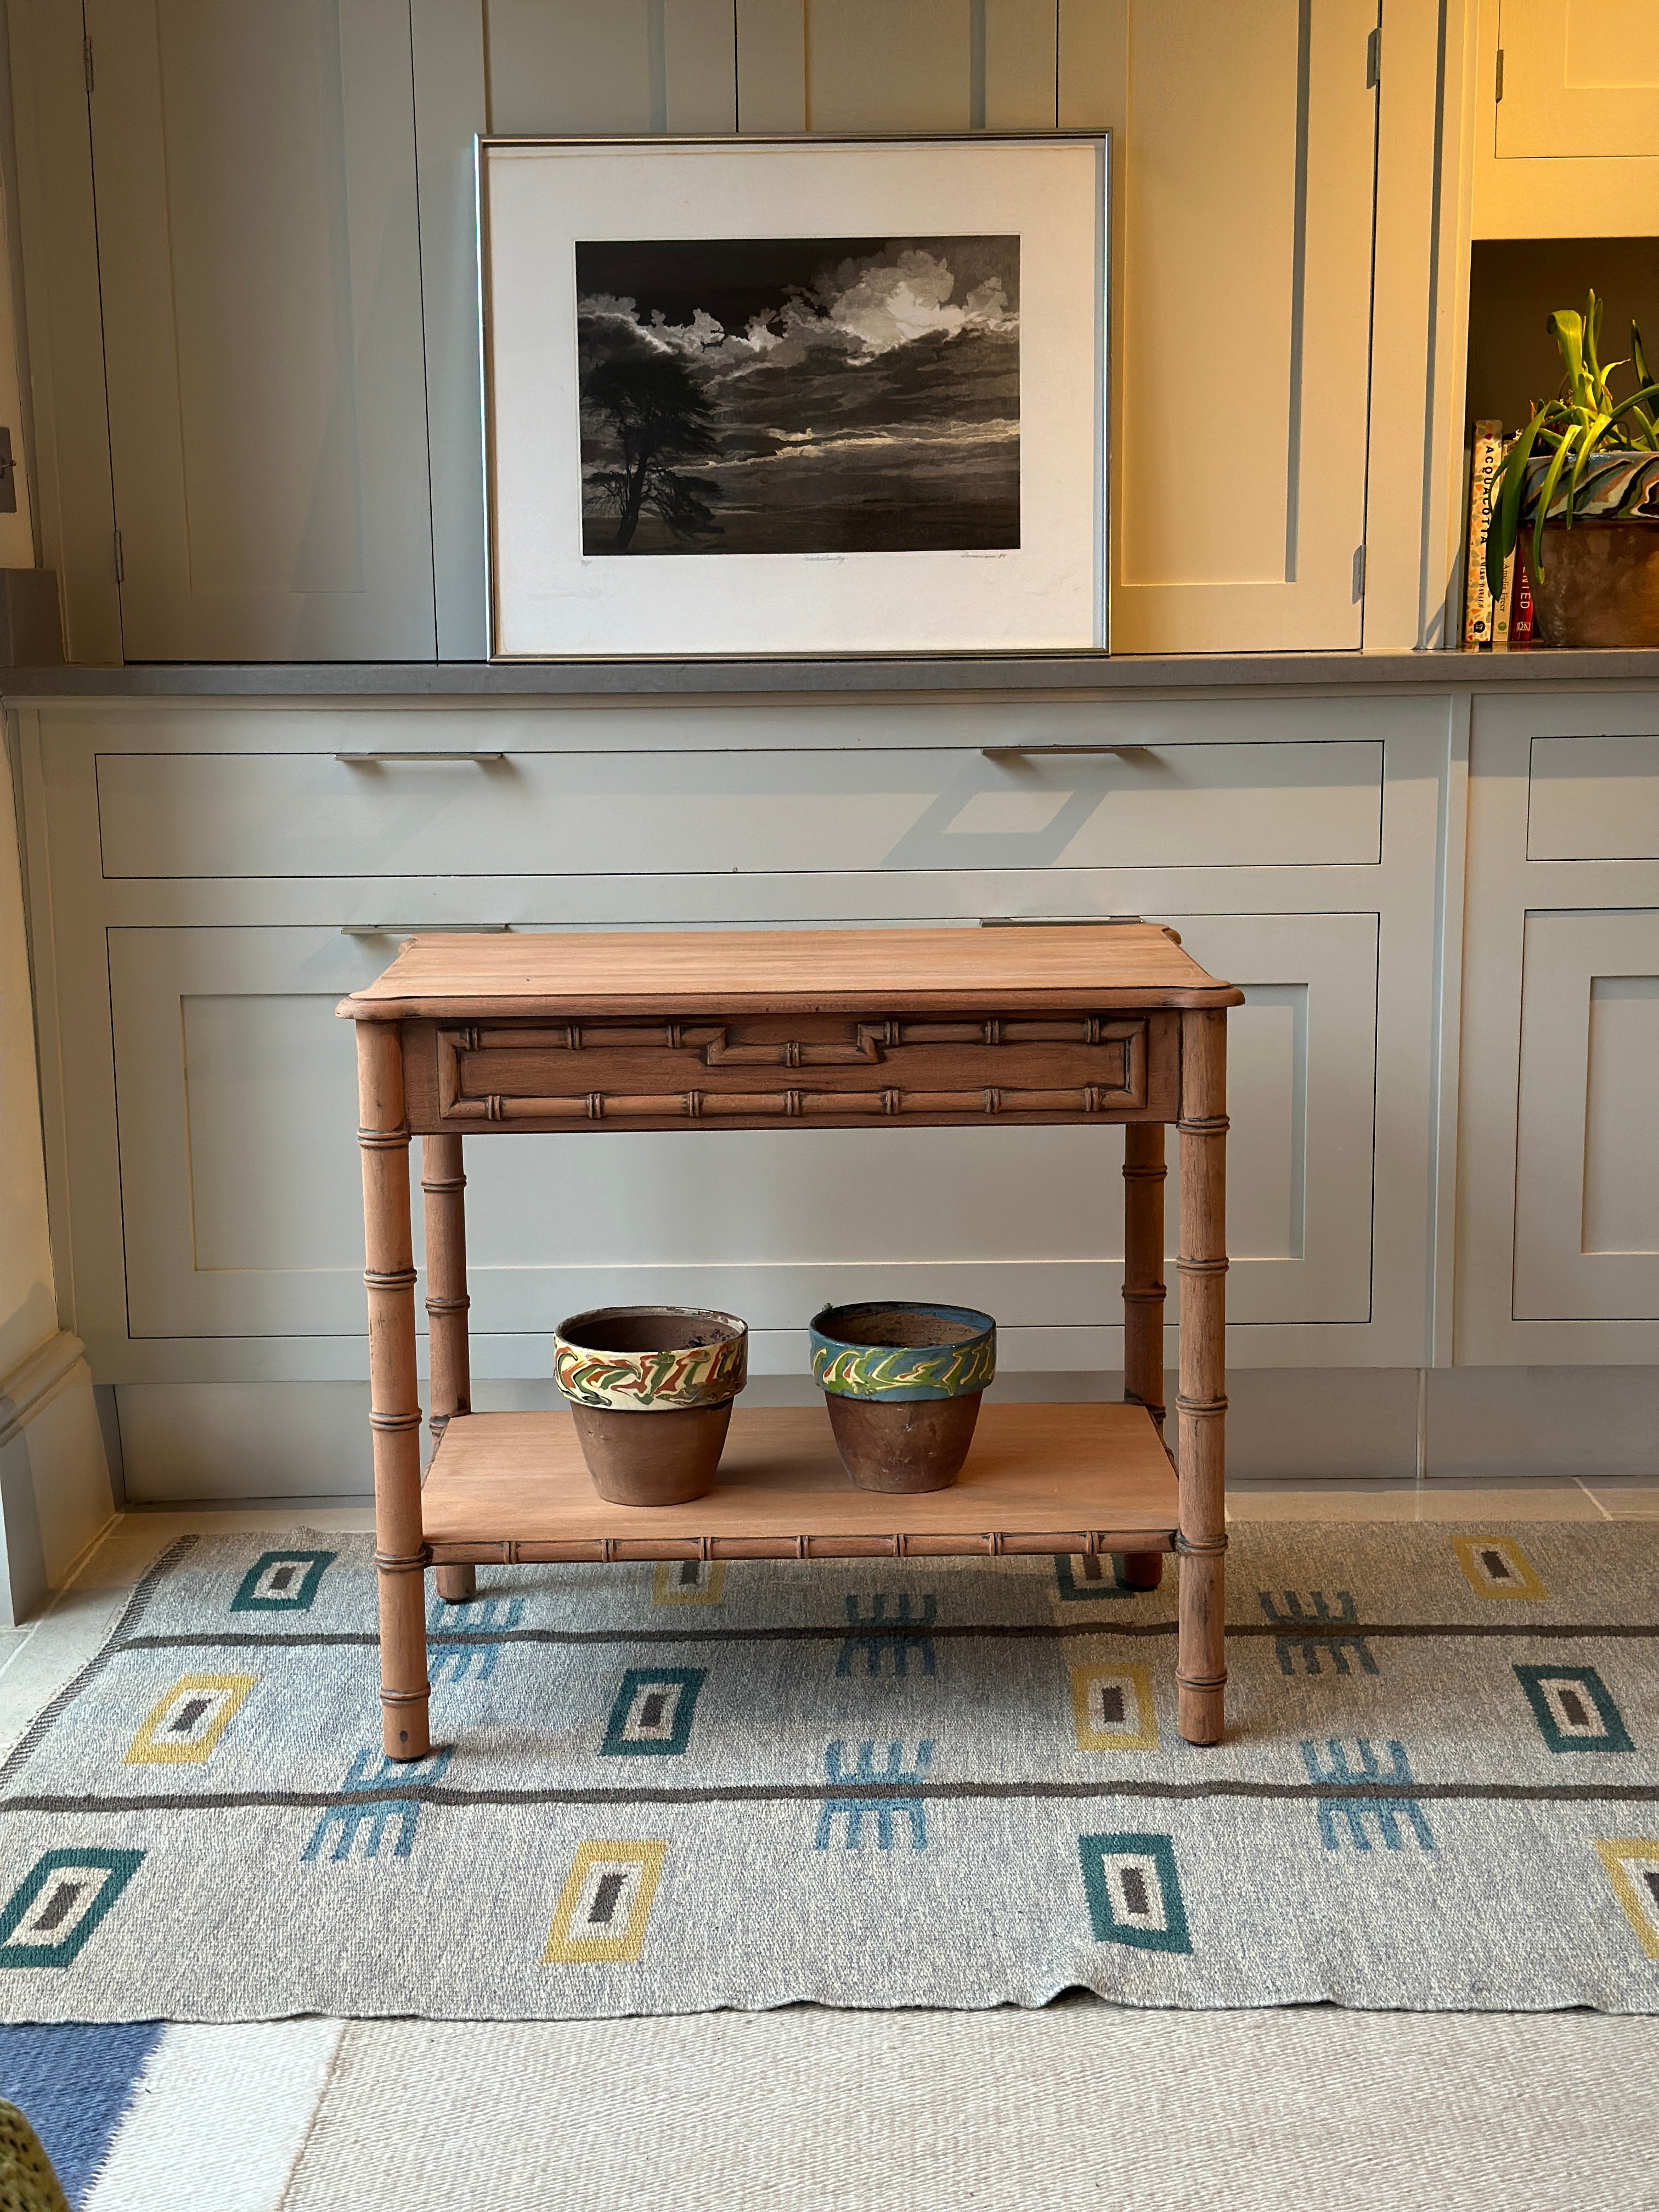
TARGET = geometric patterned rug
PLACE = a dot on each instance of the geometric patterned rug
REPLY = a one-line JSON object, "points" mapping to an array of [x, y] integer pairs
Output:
{"points": [[660, 1790]]}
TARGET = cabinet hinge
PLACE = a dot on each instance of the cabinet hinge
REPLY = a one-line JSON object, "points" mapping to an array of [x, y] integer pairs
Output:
{"points": [[1499, 88], [1359, 574], [1374, 59], [120, 565], [86, 57]]}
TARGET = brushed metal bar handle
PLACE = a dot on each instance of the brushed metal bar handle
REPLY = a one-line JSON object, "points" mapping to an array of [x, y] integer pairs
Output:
{"points": [[1053, 921], [424, 928], [1033, 752], [376, 759]]}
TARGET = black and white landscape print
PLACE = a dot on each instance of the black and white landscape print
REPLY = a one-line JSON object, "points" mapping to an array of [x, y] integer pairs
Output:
{"points": [[829, 395]]}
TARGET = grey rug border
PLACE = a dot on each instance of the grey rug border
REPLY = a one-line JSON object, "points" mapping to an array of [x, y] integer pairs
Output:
{"points": [[133, 1612]]}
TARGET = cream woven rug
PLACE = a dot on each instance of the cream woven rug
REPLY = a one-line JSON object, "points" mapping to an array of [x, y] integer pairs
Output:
{"points": [[941, 1783]]}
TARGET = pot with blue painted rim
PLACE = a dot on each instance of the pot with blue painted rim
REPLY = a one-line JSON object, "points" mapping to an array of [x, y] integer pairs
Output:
{"points": [[901, 1381]]}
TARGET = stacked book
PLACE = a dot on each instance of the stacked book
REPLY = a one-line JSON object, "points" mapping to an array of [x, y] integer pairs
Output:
{"points": [[1507, 619]]}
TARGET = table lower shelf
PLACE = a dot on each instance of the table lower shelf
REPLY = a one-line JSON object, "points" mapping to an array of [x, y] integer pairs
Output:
{"points": [[505, 1487]]}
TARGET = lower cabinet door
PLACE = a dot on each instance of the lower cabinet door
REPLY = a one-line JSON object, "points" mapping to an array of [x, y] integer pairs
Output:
{"points": [[237, 1114], [235, 1088], [1587, 1180], [1301, 1086]]}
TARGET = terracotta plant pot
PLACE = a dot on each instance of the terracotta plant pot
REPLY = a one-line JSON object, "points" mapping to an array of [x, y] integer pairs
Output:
{"points": [[650, 1390], [902, 1384], [1600, 584]]}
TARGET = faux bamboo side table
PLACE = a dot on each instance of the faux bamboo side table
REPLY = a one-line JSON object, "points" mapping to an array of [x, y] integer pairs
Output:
{"points": [[804, 1029]]}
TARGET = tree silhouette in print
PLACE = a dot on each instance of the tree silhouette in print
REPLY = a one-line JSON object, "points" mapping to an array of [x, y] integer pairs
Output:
{"points": [[746, 396], [658, 414]]}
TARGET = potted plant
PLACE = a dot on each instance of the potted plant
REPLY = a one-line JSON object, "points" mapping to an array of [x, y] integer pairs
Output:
{"points": [[1579, 494]]}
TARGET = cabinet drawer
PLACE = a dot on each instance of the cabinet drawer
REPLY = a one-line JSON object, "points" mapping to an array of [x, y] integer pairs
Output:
{"points": [[1594, 799], [833, 1070], [1270, 805]]}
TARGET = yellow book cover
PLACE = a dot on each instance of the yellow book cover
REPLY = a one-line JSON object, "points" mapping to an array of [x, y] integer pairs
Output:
{"points": [[1488, 459]]}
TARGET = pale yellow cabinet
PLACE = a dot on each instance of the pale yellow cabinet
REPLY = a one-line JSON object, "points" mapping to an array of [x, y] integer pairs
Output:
{"points": [[258, 265], [1243, 187], [1566, 142]]}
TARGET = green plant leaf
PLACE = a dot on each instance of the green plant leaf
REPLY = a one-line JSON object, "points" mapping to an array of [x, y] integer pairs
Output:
{"points": [[1507, 494], [1586, 446], [1547, 493], [1635, 402], [1566, 327], [1592, 333]]}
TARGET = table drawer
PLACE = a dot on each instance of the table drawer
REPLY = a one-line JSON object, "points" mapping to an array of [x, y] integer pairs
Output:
{"points": [[750, 1072], [754, 810]]}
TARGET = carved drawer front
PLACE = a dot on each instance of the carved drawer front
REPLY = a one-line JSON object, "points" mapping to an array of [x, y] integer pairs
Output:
{"points": [[753, 1070]]}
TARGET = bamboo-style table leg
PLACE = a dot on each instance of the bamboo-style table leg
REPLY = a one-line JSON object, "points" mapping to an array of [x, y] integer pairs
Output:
{"points": [[394, 1402], [443, 1182], [1143, 1299], [1201, 1654]]}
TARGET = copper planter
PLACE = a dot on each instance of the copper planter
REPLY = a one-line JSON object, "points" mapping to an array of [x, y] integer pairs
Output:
{"points": [[1600, 584]]}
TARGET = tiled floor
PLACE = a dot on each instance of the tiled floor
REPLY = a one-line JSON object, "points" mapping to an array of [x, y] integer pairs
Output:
{"points": [[1537, 1497], [37, 1659]]}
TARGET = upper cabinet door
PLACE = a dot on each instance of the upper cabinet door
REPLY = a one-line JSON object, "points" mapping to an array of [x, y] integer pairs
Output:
{"points": [[1244, 166], [1565, 141], [1581, 79], [260, 273], [897, 66], [565, 68]]}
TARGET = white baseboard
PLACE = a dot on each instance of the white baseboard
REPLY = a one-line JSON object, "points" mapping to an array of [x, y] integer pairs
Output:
{"points": [[55, 1493], [214, 1441]]}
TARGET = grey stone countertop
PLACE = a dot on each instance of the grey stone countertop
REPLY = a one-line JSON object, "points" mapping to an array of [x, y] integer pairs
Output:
{"points": [[1075, 675]]}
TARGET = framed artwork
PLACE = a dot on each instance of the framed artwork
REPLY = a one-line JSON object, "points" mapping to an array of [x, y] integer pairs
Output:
{"points": [[794, 396]]}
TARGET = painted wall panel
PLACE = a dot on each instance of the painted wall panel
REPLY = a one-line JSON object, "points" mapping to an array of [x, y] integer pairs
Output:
{"points": [[1557, 1152], [1581, 80], [1621, 1084], [1594, 799], [261, 286], [1242, 215], [1587, 1180], [564, 68]]}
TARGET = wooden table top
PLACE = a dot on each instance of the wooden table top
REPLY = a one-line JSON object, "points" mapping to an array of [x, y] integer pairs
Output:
{"points": [[788, 971]]}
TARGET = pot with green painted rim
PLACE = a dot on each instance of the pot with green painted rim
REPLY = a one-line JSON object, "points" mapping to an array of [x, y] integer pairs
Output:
{"points": [[650, 1389], [901, 1381]]}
